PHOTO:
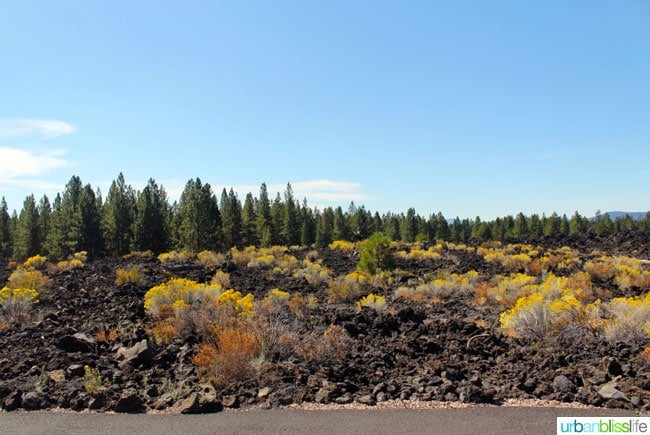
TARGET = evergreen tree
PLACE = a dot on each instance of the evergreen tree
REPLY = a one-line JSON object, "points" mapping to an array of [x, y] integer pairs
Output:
{"points": [[119, 216], [520, 229], [277, 221], [90, 233], [408, 226], [307, 225], [290, 228], [552, 225], [325, 227], [63, 238], [577, 224], [263, 218], [341, 228], [564, 225], [361, 224], [231, 219], [27, 241], [534, 227], [6, 244], [248, 217], [442, 228], [198, 220], [151, 229], [44, 222], [456, 230]]}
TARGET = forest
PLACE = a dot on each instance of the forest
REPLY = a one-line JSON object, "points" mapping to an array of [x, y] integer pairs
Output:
{"points": [[127, 220]]}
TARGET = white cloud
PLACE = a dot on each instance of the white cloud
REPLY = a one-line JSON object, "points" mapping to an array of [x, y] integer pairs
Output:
{"points": [[16, 162], [33, 128]]}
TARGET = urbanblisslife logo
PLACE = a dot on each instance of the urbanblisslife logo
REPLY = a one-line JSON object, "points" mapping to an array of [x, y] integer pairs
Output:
{"points": [[603, 425]]}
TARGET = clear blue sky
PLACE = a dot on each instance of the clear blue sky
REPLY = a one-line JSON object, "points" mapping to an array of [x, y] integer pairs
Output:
{"points": [[466, 107]]}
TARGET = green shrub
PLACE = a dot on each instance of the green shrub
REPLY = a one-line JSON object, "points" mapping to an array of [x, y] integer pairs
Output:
{"points": [[376, 254]]}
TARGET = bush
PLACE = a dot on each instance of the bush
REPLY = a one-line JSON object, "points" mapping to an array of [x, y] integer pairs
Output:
{"points": [[128, 276], [373, 301], [343, 289], [376, 254], [229, 355], [34, 263]]}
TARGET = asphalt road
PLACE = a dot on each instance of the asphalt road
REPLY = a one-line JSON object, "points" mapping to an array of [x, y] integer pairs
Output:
{"points": [[474, 420]]}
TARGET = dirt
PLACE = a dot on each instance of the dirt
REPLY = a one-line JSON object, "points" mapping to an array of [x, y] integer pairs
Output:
{"points": [[450, 351]]}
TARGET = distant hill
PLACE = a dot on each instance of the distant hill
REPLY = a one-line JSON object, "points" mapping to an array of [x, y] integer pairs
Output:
{"points": [[613, 215]]}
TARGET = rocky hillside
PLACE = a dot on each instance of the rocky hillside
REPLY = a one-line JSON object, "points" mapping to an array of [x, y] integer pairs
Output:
{"points": [[317, 331]]}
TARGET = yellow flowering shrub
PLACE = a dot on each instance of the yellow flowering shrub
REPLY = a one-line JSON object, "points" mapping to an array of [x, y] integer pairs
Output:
{"points": [[128, 276], [34, 263], [373, 301], [313, 272], [277, 297], [18, 294], [176, 257], [342, 245]]}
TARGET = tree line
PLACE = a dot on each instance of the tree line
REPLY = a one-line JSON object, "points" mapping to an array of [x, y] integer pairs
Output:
{"points": [[80, 219]]}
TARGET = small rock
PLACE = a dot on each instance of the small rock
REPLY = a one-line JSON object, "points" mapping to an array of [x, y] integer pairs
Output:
{"points": [[34, 401], [379, 387], [381, 397], [13, 401], [263, 393], [367, 400], [97, 401], [129, 402], [322, 396], [140, 353], [344, 399], [614, 368], [190, 405], [451, 397], [78, 342], [609, 391], [231, 401], [636, 401], [562, 384], [57, 376], [75, 370]]}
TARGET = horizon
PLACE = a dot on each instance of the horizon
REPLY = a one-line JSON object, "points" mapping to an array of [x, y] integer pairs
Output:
{"points": [[468, 109]]}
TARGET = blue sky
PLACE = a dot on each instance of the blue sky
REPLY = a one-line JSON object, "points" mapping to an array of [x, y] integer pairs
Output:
{"points": [[466, 107]]}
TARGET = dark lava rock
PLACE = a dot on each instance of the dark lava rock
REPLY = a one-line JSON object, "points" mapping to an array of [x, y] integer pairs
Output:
{"points": [[78, 342], [367, 400], [75, 370], [130, 401], [136, 355], [35, 400], [562, 384], [230, 401], [13, 401]]}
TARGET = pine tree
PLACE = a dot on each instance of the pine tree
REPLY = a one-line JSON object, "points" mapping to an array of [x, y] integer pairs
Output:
{"points": [[198, 221], [27, 241], [520, 229], [290, 228], [44, 222], [341, 229], [63, 238], [577, 224], [6, 245], [307, 225], [277, 221], [408, 226], [151, 228], [552, 225], [534, 227], [231, 220], [325, 227], [248, 217], [263, 218], [361, 224], [119, 216], [90, 234]]}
